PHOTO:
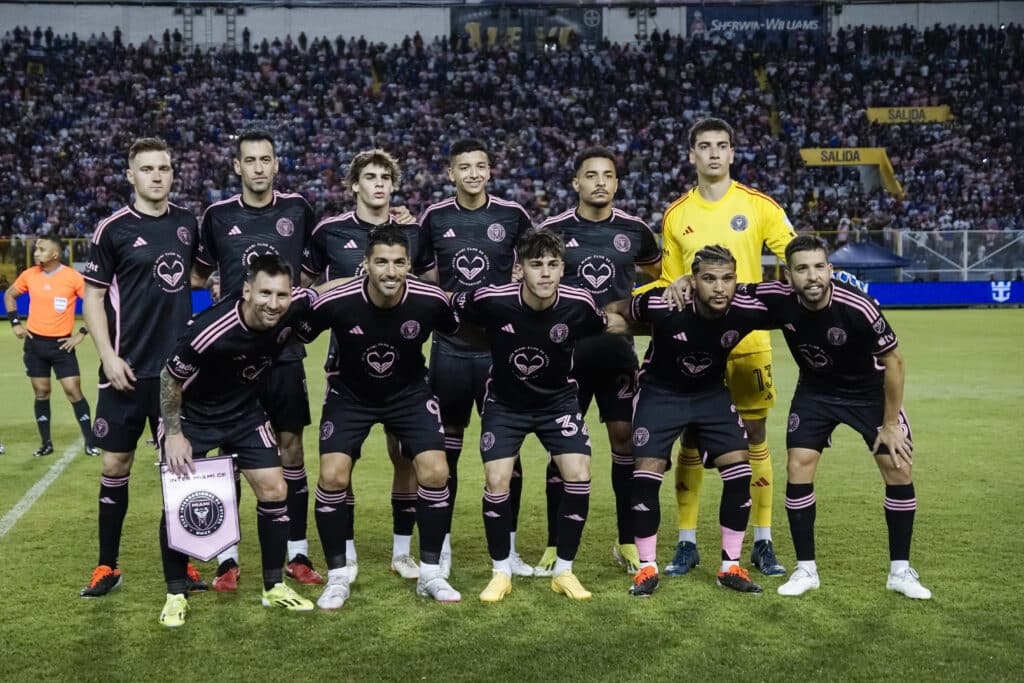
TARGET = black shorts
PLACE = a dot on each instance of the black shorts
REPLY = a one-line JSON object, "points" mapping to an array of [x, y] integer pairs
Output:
{"points": [[605, 367], [44, 353], [283, 395], [560, 430], [661, 415], [413, 417], [813, 416], [121, 416], [459, 380], [250, 441]]}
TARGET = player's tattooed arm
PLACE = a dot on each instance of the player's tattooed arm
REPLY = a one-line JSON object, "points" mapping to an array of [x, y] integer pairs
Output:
{"points": [[176, 448]]}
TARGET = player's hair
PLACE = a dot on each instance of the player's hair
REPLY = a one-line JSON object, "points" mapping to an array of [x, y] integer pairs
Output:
{"points": [[593, 153], [465, 146], [805, 243], [147, 145], [711, 124], [52, 239], [712, 254], [389, 234], [537, 243], [269, 264], [373, 156], [253, 135]]}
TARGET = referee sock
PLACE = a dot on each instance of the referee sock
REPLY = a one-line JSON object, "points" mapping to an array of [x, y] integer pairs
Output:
{"points": [[113, 507], [43, 419], [298, 501], [622, 484], [734, 508], [689, 480], [433, 507], [900, 506], [553, 494], [572, 516], [515, 490], [761, 489], [81, 409], [646, 511], [801, 508], [175, 563], [272, 527], [497, 519], [330, 512]]}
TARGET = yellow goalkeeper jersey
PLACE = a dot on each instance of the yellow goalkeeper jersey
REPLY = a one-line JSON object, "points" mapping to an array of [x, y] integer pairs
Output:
{"points": [[742, 220]]}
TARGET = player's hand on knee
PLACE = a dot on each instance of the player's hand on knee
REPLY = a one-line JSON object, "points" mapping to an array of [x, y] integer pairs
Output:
{"points": [[901, 449], [178, 452], [119, 373], [679, 293]]}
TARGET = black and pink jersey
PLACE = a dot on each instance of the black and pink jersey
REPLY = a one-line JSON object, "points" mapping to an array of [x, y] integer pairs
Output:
{"points": [[338, 245], [144, 263]]}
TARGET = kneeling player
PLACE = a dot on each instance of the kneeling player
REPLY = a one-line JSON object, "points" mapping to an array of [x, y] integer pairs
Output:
{"points": [[209, 399]]}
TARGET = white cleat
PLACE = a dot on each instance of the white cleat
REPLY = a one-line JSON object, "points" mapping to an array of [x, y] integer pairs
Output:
{"points": [[800, 581], [446, 564], [908, 583], [437, 587], [353, 570], [519, 567], [335, 593], [405, 566]]}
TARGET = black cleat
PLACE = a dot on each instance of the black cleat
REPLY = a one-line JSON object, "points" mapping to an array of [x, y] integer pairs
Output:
{"points": [[104, 579], [194, 583], [685, 559], [45, 449], [737, 579], [92, 451], [644, 582], [763, 557]]}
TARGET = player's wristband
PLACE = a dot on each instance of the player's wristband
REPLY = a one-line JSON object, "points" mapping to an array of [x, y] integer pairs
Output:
{"points": [[83, 331], [13, 317]]}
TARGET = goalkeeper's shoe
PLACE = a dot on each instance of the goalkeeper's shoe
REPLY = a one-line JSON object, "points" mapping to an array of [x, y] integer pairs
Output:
{"points": [[104, 579], [685, 559], [175, 610], [546, 566], [644, 583], [195, 583], [762, 556], [627, 555], [568, 585], [736, 578], [282, 595], [226, 579]]}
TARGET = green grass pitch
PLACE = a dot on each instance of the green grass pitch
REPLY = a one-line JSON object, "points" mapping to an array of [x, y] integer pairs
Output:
{"points": [[963, 397]]}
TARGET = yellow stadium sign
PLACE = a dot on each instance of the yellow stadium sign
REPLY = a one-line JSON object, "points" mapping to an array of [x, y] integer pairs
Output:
{"points": [[909, 114], [855, 156]]}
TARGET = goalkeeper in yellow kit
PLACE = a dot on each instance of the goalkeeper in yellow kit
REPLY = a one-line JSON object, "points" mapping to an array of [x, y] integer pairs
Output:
{"points": [[722, 211]]}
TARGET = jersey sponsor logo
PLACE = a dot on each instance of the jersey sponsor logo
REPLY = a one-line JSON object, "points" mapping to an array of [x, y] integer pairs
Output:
{"points": [[527, 361], [182, 368], [794, 422], [169, 272], [641, 435], [139, 242], [739, 222], [695, 364], [1001, 290], [814, 355], [184, 235], [285, 227], [380, 358], [879, 325], [559, 333], [487, 441], [326, 430], [201, 513], [100, 427], [886, 339], [730, 339], [621, 243], [596, 271], [836, 336], [469, 265], [410, 329], [496, 232], [257, 249]]}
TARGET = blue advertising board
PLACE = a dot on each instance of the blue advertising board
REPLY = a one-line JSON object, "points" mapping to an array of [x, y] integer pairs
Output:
{"points": [[780, 24]]}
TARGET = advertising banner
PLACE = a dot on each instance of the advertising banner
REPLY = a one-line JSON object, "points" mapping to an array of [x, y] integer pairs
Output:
{"points": [[780, 24], [975, 293], [526, 27], [910, 114], [855, 156]]}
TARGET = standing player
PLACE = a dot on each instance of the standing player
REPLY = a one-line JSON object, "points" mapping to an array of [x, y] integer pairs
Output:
{"points": [[209, 399], [531, 328], [682, 385], [722, 211], [851, 372], [137, 303], [50, 337], [380, 322], [233, 232], [603, 248], [337, 250], [471, 238]]}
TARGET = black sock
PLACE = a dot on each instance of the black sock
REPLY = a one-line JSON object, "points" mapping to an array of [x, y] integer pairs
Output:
{"points": [[432, 515], [349, 528], [515, 494], [81, 409], [553, 494], [43, 419], [330, 513], [497, 524], [572, 516], [622, 482], [272, 527], [403, 513], [298, 501], [113, 507], [801, 508], [646, 507], [900, 506], [452, 451], [175, 563], [734, 507]]}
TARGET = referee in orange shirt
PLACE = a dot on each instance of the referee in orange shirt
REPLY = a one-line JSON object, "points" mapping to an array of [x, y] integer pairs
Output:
{"points": [[50, 337]]}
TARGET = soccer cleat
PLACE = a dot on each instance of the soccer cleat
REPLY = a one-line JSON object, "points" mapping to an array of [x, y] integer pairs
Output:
{"points": [[44, 449], [436, 587], [282, 595], [737, 578], [685, 559], [446, 564], [498, 588], [301, 569], [519, 566], [644, 583], [628, 556], [2, 449], [353, 570], [800, 581], [226, 579], [546, 566], [405, 566], [175, 610], [908, 582], [763, 557], [91, 451], [568, 585], [335, 592], [104, 579], [195, 583]]}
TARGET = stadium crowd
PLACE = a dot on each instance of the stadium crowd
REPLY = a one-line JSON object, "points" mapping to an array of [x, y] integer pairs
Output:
{"points": [[70, 106]]}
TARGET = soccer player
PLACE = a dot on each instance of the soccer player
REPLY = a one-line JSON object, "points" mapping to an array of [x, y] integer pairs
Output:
{"points": [[851, 372], [720, 210], [210, 399], [234, 231], [50, 337], [471, 238], [531, 328], [603, 249], [380, 322], [682, 385], [337, 250], [137, 303]]}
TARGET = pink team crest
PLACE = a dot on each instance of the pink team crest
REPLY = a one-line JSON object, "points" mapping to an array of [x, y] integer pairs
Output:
{"points": [[621, 243], [285, 227], [410, 329], [486, 441], [641, 436], [794, 422], [184, 235], [879, 325], [326, 430], [730, 339], [559, 333], [100, 428], [836, 336], [496, 232]]}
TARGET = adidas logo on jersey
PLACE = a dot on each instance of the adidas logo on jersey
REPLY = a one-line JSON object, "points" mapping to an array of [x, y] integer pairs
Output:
{"points": [[689, 230], [449, 233], [351, 244], [572, 243], [356, 330], [681, 336], [139, 242], [508, 328], [235, 230]]}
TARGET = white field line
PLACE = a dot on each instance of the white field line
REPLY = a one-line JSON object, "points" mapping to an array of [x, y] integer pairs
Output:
{"points": [[36, 492]]}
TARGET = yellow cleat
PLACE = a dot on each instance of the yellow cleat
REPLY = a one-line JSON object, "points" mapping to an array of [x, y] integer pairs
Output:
{"points": [[175, 610], [627, 555], [285, 596], [547, 562], [498, 588], [568, 585]]}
